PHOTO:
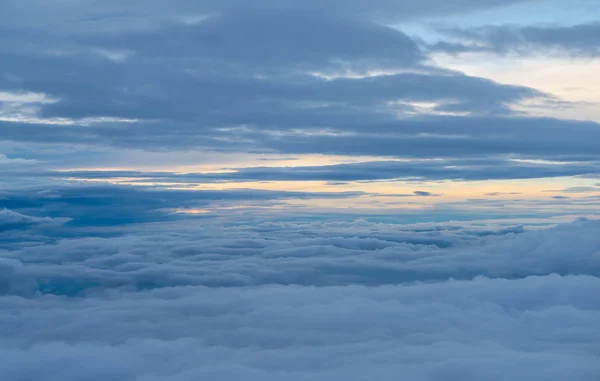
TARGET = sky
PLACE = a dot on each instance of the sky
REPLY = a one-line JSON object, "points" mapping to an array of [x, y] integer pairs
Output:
{"points": [[299, 190]]}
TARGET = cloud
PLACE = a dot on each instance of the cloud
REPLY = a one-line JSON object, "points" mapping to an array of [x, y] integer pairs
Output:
{"points": [[91, 16], [437, 169], [413, 194], [581, 189], [424, 193], [577, 40], [316, 300], [308, 255], [273, 333], [305, 82], [501, 193], [110, 205], [183, 280], [282, 40], [537, 137], [540, 138], [227, 85], [10, 220], [470, 169], [15, 162]]}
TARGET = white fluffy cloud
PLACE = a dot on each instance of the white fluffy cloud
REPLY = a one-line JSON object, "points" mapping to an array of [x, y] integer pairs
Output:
{"points": [[538, 328], [305, 301], [317, 254]]}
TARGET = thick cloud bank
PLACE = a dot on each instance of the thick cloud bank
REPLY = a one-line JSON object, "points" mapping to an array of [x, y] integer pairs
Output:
{"points": [[303, 301]]}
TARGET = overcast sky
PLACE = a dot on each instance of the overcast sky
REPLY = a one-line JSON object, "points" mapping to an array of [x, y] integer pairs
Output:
{"points": [[299, 189], [460, 99]]}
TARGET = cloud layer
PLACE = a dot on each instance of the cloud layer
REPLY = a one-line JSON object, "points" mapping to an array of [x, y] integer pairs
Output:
{"points": [[327, 78], [579, 40], [290, 190], [318, 300]]}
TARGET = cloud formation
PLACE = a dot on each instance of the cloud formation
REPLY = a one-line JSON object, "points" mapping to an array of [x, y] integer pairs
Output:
{"points": [[92, 16], [321, 300], [287, 253], [110, 205], [577, 40], [290, 190], [418, 169], [340, 78]]}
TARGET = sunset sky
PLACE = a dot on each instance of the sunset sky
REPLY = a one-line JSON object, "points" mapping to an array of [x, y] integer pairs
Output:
{"points": [[490, 106]]}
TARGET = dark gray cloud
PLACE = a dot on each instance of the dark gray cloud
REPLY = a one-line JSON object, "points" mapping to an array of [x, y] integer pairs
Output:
{"points": [[92, 16], [417, 193], [111, 205], [10, 220], [431, 137], [225, 84], [194, 97], [577, 40], [581, 189], [272, 40], [440, 169], [456, 136], [424, 193]]}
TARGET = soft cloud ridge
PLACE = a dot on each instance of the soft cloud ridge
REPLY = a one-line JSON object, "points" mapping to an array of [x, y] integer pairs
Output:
{"points": [[314, 300]]}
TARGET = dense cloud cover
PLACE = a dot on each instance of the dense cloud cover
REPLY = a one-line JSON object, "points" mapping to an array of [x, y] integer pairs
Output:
{"points": [[256, 190], [304, 301], [333, 78]]}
